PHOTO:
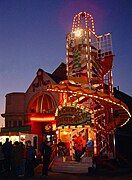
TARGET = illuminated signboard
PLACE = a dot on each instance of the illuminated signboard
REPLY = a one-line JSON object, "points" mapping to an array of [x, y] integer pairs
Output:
{"points": [[72, 116]]}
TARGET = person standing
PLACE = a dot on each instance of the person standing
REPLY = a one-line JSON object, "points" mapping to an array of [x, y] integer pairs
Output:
{"points": [[7, 150], [23, 154], [78, 147], [16, 159], [46, 151], [1, 159], [30, 159], [61, 148]]}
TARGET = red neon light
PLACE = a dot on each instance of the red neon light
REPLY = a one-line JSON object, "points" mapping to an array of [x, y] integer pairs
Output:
{"points": [[50, 118]]}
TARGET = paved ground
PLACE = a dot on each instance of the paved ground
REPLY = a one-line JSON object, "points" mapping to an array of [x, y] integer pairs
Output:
{"points": [[62, 176], [120, 174]]}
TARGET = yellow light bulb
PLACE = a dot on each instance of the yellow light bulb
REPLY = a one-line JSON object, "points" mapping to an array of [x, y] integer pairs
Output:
{"points": [[78, 32]]}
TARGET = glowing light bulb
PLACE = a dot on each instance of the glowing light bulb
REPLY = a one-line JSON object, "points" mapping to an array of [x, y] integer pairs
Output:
{"points": [[65, 132], [57, 132], [78, 32]]}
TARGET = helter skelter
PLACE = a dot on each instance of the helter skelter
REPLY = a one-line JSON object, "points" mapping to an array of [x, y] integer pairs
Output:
{"points": [[87, 105]]}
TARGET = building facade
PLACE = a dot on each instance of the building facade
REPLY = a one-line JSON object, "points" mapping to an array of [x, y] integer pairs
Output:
{"points": [[33, 112]]}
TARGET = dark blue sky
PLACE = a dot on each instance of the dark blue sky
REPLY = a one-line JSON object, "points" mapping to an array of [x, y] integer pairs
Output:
{"points": [[33, 32]]}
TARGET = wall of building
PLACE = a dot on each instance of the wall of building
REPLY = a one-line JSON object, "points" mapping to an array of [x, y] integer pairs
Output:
{"points": [[15, 107], [15, 103]]}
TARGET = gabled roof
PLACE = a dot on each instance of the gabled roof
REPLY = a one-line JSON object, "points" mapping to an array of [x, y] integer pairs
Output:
{"points": [[59, 74], [128, 101], [124, 98]]}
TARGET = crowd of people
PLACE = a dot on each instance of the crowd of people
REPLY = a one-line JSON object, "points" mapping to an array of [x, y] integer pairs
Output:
{"points": [[19, 159]]}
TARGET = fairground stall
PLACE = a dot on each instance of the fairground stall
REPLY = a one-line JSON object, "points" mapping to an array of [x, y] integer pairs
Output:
{"points": [[88, 112], [75, 105]]}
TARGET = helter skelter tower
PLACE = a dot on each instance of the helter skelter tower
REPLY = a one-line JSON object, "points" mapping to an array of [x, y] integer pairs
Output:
{"points": [[89, 57], [86, 98]]}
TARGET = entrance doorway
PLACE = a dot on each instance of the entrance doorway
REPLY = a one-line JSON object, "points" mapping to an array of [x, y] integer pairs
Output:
{"points": [[74, 138]]}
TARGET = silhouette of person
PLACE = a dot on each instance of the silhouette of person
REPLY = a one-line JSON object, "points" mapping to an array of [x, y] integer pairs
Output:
{"points": [[61, 148], [30, 159], [46, 151], [16, 158], [7, 150]]}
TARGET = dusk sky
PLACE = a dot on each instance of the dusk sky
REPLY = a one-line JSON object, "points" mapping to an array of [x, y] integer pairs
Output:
{"points": [[33, 36]]}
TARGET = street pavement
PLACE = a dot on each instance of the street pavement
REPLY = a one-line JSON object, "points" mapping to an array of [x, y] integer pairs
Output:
{"points": [[120, 174], [63, 176]]}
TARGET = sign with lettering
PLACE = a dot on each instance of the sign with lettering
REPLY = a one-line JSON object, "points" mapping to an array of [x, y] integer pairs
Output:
{"points": [[69, 115]]}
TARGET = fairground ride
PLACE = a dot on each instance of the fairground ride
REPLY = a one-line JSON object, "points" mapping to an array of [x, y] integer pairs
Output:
{"points": [[86, 97]]}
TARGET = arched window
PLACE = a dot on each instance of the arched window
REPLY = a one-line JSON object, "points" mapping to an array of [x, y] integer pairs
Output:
{"points": [[43, 104]]}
